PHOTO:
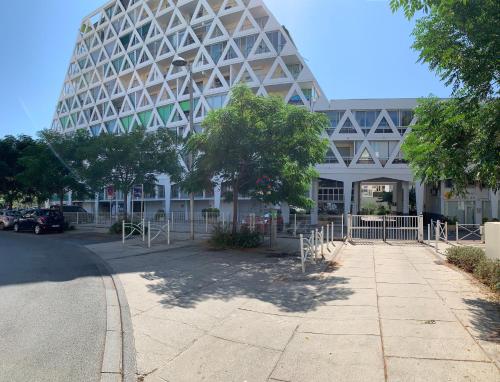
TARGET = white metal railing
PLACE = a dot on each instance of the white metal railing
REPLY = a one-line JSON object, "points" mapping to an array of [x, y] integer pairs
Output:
{"points": [[385, 227], [156, 231], [134, 229], [437, 231], [470, 232], [314, 244]]}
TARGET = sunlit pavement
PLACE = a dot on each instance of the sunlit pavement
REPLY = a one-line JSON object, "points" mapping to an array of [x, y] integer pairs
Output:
{"points": [[386, 312]]}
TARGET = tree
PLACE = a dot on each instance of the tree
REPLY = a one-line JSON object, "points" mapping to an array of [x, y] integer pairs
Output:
{"points": [[48, 166], [10, 152], [457, 138], [259, 146], [123, 161]]}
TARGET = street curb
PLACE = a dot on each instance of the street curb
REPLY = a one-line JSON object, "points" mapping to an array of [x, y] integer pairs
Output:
{"points": [[119, 363]]}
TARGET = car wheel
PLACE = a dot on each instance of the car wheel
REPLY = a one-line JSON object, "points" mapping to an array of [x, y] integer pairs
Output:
{"points": [[16, 227], [38, 230]]}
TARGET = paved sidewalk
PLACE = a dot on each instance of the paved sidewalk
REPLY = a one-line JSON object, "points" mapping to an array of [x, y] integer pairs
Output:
{"points": [[384, 313]]}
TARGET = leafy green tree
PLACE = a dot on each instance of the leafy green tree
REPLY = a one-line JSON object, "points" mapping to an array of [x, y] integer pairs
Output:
{"points": [[10, 151], [48, 166], [259, 146], [458, 138], [123, 161]]}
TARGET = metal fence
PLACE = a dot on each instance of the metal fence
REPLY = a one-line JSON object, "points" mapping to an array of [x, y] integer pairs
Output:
{"points": [[384, 228], [469, 232]]}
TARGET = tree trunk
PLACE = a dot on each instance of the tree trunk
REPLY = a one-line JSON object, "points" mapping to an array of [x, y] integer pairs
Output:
{"points": [[61, 199], [235, 206]]}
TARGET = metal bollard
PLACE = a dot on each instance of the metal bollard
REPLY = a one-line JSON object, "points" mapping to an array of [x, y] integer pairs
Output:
{"points": [[168, 232], [123, 231], [302, 253], [322, 232], [438, 224], [149, 234], [143, 230], [456, 232], [294, 225]]}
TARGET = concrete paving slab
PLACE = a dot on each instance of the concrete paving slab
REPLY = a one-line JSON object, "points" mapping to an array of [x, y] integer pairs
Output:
{"points": [[264, 330], [423, 329], [425, 370], [215, 359], [400, 278], [437, 348], [311, 357], [468, 300], [406, 290], [341, 327], [414, 309], [339, 312]]}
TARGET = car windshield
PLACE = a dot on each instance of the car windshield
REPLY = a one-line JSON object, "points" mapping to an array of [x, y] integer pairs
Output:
{"points": [[11, 213]]}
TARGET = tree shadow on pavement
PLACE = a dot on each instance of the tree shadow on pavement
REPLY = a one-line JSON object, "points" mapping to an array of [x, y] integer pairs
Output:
{"points": [[485, 318], [226, 275]]}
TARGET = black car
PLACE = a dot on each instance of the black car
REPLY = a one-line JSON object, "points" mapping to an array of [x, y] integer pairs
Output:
{"points": [[39, 221]]}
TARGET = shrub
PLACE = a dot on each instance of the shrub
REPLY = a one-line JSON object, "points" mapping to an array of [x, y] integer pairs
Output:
{"points": [[488, 271], [223, 238], [466, 258]]}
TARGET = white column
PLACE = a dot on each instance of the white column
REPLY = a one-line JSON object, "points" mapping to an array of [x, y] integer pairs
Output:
{"points": [[347, 198], [70, 198], [314, 197], [165, 182], [356, 207], [419, 196], [494, 204], [217, 195], [406, 198], [285, 212]]}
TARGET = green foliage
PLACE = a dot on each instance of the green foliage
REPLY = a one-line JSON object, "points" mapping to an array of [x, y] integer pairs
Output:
{"points": [[452, 141], [488, 271], [224, 238], [466, 258], [130, 159], [259, 137], [458, 139], [11, 149]]}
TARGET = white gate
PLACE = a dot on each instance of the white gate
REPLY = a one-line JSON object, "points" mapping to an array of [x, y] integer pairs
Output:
{"points": [[385, 228]]}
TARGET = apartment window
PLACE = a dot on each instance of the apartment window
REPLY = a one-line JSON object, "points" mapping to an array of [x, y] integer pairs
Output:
{"points": [[245, 44], [215, 50], [366, 119], [277, 39], [334, 117], [216, 102]]}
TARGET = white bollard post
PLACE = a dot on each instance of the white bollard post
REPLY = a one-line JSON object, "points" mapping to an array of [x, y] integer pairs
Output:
{"points": [[328, 236], [438, 224], [446, 232], [77, 218], [322, 237], [206, 222], [295, 225], [456, 232], [172, 219], [313, 235], [428, 234], [223, 220], [168, 232], [123, 231], [342, 225], [149, 234], [143, 230], [302, 253]]}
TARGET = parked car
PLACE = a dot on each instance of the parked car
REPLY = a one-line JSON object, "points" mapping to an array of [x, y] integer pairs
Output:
{"points": [[7, 219], [39, 221], [72, 209]]}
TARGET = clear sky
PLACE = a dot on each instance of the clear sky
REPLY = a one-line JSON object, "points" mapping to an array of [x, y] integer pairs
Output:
{"points": [[355, 48]]}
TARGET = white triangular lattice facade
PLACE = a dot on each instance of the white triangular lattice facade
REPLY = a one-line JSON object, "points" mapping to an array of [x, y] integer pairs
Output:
{"points": [[121, 72]]}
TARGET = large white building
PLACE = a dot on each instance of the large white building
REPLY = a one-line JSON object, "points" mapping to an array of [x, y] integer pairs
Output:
{"points": [[121, 75]]}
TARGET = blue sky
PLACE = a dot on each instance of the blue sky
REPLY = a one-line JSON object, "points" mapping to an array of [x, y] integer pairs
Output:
{"points": [[355, 48]]}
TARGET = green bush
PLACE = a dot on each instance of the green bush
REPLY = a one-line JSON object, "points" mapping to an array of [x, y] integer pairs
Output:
{"points": [[223, 238], [466, 258], [488, 271]]}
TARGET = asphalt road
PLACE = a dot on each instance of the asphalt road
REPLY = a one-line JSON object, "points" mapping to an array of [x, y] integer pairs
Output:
{"points": [[52, 310]]}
